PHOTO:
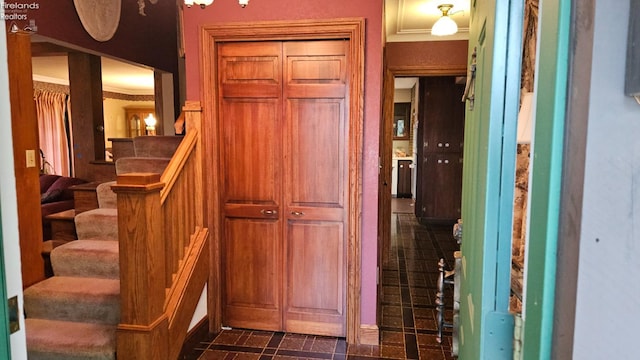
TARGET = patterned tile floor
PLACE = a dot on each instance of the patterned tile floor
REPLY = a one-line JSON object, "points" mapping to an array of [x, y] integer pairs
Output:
{"points": [[408, 327]]}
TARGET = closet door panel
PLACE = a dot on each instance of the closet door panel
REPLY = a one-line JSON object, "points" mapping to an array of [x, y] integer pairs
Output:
{"points": [[315, 258], [250, 114], [250, 148], [315, 133], [250, 69], [315, 186], [248, 157], [252, 274]]}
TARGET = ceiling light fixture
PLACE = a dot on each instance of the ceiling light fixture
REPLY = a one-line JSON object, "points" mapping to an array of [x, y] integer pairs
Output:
{"points": [[445, 25], [205, 3]]}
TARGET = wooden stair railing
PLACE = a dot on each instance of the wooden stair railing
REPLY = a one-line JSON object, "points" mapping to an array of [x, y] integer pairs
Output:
{"points": [[164, 250]]}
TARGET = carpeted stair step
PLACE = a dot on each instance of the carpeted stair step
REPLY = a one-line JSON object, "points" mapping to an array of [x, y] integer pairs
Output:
{"points": [[65, 340], [87, 258], [129, 165], [97, 224], [64, 298]]}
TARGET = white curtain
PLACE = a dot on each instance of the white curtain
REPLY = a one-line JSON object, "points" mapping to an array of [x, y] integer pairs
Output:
{"points": [[51, 109]]}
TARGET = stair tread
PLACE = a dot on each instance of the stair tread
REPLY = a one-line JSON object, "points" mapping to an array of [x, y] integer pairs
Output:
{"points": [[87, 258], [89, 244], [54, 339], [97, 224], [65, 298], [78, 285]]}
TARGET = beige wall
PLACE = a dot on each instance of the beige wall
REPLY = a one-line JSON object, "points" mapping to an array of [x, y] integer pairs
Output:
{"points": [[114, 117]]}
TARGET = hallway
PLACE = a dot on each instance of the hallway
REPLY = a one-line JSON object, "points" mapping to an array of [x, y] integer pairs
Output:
{"points": [[408, 327]]}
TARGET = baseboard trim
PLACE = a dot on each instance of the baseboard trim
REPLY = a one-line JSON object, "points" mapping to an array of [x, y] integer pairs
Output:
{"points": [[197, 334], [369, 335]]}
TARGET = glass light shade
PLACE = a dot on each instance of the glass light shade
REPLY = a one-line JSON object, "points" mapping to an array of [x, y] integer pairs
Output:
{"points": [[444, 26], [202, 3], [205, 3], [150, 121]]}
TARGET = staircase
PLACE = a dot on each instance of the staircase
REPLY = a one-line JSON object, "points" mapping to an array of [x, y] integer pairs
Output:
{"points": [[75, 313]]}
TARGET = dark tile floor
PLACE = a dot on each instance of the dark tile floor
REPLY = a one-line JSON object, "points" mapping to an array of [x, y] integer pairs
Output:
{"points": [[408, 327]]}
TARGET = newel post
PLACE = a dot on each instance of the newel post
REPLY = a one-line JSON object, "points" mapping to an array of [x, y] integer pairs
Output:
{"points": [[143, 329]]}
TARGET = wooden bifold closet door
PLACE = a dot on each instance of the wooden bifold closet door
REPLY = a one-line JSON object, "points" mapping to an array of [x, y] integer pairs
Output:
{"points": [[282, 111]]}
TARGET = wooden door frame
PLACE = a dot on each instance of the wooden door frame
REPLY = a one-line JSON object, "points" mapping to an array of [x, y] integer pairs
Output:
{"points": [[386, 146], [575, 145], [351, 29]]}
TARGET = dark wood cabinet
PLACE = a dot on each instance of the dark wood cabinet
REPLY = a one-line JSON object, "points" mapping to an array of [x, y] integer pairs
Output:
{"points": [[404, 179], [440, 140], [135, 120], [441, 194]]}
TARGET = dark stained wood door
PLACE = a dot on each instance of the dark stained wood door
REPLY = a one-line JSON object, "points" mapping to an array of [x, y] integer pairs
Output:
{"points": [[283, 108], [440, 144]]}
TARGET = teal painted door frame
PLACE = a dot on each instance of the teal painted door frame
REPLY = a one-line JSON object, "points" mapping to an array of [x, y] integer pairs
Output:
{"points": [[5, 343], [486, 326], [546, 178]]}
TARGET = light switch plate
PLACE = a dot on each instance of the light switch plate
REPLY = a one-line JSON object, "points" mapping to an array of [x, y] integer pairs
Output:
{"points": [[31, 158]]}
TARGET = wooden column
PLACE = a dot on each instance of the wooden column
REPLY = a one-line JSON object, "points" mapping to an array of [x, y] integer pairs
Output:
{"points": [[87, 114], [165, 104], [24, 128], [143, 329]]}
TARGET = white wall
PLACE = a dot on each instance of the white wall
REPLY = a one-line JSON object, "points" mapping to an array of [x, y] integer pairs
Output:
{"points": [[8, 203], [402, 95], [608, 298], [201, 309]]}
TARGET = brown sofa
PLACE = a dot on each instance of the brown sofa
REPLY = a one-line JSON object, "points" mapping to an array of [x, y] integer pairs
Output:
{"points": [[55, 196]]}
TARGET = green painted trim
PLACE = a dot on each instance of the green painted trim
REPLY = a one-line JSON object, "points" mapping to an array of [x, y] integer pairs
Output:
{"points": [[551, 94], [488, 182], [5, 341]]}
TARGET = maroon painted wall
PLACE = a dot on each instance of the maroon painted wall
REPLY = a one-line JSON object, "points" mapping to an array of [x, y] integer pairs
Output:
{"points": [[149, 40], [371, 10]]}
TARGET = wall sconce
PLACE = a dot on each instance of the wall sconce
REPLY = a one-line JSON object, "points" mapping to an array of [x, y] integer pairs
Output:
{"points": [[150, 121], [205, 3], [445, 25]]}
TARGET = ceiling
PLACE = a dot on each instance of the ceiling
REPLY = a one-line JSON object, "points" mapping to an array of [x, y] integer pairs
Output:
{"points": [[117, 76], [411, 20], [405, 20]]}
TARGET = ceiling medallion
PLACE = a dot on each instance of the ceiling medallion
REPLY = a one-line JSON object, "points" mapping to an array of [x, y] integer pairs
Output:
{"points": [[100, 18]]}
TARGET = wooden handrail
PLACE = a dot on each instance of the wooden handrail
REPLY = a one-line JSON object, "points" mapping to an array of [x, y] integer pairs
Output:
{"points": [[172, 171], [164, 250]]}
